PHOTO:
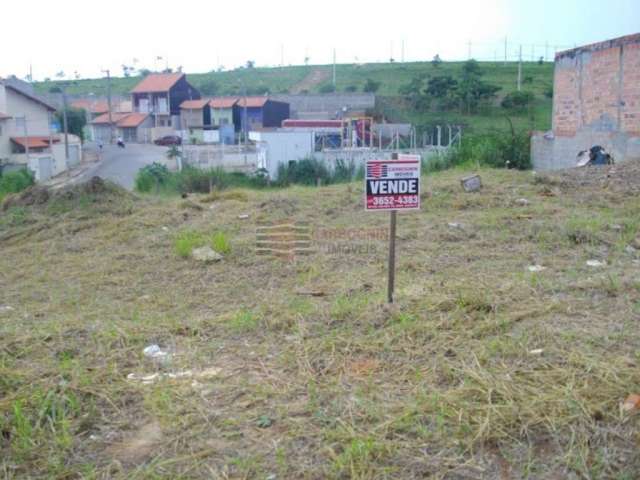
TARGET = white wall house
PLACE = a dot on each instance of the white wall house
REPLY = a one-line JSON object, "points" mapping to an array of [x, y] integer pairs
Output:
{"points": [[26, 139]]}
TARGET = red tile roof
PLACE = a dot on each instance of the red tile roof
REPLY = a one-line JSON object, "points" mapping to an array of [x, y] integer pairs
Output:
{"points": [[33, 142], [157, 82], [123, 120], [252, 102], [132, 120], [195, 104], [223, 102], [104, 118], [100, 106]]}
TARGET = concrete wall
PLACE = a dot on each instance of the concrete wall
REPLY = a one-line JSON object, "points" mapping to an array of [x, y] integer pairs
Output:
{"points": [[5, 142], [596, 102], [281, 147], [326, 106]]}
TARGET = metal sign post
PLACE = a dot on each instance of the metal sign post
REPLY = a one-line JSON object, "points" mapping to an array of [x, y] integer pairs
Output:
{"points": [[391, 281], [393, 185]]}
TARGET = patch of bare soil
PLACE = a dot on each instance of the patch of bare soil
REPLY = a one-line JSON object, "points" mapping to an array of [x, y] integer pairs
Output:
{"points": [[623, 178], [315, 78], [139, 446]]}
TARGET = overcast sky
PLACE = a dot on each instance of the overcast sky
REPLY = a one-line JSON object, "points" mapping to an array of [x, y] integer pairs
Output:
{"points": [[86, 36]]}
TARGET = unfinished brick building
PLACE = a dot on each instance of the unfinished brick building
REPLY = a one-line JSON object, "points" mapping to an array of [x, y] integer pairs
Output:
{"points": [[596, 101]]}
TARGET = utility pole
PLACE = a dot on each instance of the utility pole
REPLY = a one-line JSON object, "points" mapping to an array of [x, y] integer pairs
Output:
{"points": [[506, 46], [245, 128], [26, 136], [282, 55], [469, 49], [520, 69], [402, 51], [66, 127], [546, 51], [109, 104], [334, 68]]}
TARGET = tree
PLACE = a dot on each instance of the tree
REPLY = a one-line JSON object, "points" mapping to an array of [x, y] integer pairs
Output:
{"points": [[327, 88], [76, 121], [517, 101], [472, 91], [371, 86], [412, 92], [209, 87], [443, 90], [436, 61], [471, 68], [351, 88], [143, 72], [250, 64]]}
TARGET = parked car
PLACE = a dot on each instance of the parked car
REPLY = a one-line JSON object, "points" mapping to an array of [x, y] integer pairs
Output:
{"points": [[168, 140]]}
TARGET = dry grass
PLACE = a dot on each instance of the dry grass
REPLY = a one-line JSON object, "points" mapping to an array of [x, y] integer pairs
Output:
{"points": [[298, 369]]}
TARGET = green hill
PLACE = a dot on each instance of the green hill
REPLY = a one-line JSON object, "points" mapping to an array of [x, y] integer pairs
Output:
{"points": [[538, 79]]}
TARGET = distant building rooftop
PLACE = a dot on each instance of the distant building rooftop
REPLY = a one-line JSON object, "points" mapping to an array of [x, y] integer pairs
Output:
{"points": [[157, 82]]}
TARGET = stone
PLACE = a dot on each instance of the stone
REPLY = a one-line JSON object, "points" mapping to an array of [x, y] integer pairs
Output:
{"points": [[522, 202], [206, 255], [472, 183], [596, 263]]}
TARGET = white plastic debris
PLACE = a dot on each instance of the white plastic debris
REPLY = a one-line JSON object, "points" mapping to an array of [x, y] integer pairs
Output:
{"points": [[596, 263], [536, 268], [536, 351], [244, 216], [154, 351], [165, 228], [6, 308], [154, 377], [454, 225], [523, 202]]}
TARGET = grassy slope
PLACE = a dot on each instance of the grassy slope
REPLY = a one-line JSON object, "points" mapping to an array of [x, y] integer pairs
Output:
{"points": [[391, 77], [336, 386]]}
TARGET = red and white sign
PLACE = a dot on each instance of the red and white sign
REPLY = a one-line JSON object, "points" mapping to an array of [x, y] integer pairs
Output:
{"points": [[393, 184]]}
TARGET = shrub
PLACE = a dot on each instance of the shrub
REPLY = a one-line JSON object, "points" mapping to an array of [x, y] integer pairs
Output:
{"points": [[151, 176], [496, 149], [371, 86], [351, 89], [193, 180], [14, 182], [327, 88], [517, 101], [306, 172]]}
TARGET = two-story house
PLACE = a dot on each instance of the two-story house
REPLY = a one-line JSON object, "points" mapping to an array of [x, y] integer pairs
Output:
{"points": [[160, 95]]}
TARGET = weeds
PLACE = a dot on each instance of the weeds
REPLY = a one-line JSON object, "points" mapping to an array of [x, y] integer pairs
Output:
{"points": [[14, 182], [188, 240]]}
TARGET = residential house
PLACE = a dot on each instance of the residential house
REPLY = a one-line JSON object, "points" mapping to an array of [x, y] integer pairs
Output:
{"points": [[195, 117], [26, 139], [259, 112], [94, 108], [160, 95], [596, 101], [222, 110], [131, 127]]}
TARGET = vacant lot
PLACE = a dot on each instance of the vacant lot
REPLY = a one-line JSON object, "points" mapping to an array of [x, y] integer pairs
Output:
{"points": [[483, 368]]}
